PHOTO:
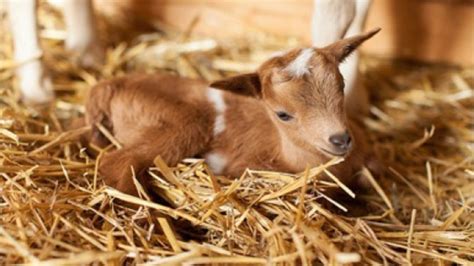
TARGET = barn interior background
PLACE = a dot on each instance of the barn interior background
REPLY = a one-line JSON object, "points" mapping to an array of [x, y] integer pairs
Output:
{"points": [[55, 209]]}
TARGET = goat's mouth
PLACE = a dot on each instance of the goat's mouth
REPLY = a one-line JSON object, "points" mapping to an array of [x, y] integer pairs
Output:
{"points": [[334, 153]]}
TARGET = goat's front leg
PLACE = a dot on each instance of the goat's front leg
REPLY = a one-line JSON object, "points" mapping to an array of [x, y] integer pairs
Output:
{"points": [[356, 94], [35, 85], [82, 37], [331, 20]]}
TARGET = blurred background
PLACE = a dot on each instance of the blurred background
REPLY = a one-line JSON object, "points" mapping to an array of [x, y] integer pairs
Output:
{"points": [[423, 30]]}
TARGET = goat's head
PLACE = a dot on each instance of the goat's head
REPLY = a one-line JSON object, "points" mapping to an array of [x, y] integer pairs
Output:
{"points": [[303, 92]]}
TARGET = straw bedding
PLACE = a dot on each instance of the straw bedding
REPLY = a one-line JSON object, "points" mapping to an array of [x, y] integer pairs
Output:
{"points": [[55, 209]]}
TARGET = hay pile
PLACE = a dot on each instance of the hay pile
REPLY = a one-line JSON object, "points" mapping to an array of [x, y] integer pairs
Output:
{"points": [[55, 209]]}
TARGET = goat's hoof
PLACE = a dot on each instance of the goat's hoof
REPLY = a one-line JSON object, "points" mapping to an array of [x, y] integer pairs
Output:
{"points": [[117, 173], [35, 85], [91, 56]]}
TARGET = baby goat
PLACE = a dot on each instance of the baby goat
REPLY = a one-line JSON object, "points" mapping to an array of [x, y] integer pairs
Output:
{"points": [[285, 116]]}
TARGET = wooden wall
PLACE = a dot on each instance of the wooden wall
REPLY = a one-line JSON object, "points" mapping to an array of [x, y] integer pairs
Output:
{"points": [[424, 30]]}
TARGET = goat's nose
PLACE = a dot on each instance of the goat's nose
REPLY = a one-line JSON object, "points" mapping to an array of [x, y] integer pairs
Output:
{"points": [[341, 141]]}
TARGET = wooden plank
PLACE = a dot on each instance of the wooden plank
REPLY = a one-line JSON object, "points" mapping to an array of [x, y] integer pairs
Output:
{"points": [[433, 31]]}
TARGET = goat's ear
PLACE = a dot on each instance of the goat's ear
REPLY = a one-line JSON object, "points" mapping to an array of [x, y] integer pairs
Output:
{"points": [[245, 84], [343, 48]]}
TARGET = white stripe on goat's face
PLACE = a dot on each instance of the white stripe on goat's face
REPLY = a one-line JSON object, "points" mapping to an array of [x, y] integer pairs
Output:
{"points": [[300, 65], [216, 97], [216, 161]]}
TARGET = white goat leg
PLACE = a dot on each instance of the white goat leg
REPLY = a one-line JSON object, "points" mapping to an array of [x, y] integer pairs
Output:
{"points": [[35, 86], [82, 36], [356, 94], [331, 20]]}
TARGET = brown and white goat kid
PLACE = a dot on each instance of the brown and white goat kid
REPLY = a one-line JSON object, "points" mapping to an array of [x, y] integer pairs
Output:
{"points": [[285, 116]]}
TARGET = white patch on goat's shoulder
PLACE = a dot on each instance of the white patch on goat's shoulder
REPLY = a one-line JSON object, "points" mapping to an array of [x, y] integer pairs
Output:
{"points": [[216, 161], [299, 66], [216, 97]]}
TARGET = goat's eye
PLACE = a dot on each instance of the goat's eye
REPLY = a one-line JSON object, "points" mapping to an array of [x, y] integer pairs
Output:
{"points": [[284, 116]]}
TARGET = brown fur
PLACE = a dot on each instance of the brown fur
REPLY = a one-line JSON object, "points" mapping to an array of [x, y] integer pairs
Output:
{"points": [[172, 117]]}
